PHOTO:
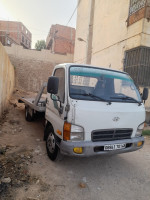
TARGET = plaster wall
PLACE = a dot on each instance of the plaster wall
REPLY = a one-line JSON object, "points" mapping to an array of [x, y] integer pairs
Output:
{"points": [[7, 79]]}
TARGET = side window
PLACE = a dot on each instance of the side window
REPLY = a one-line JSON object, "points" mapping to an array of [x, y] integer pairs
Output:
{"points": [[60, 73]]}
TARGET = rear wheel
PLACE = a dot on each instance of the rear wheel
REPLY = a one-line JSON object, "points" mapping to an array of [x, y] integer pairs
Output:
{"points": [[29, 114], [51, 146]]}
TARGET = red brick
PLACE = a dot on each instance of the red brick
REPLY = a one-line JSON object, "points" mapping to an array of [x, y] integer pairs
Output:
{"points": [[63, 40]]}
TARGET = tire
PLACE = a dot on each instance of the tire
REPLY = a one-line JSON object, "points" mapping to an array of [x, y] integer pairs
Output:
{"points": [[51, 146], [29, 114]]}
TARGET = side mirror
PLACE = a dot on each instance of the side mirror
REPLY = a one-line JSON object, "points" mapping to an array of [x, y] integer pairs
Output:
{"points": [[145, 94], [52, 86]]}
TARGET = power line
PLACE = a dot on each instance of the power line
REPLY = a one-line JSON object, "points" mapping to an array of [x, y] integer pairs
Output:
{"points": [[98, 51], [73, 12]]}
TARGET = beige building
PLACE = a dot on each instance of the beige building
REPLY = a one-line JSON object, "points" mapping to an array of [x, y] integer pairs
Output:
{"points": [[115, 34]]}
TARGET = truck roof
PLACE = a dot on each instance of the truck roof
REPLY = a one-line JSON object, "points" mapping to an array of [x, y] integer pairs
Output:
{"points": [[85, 65]]}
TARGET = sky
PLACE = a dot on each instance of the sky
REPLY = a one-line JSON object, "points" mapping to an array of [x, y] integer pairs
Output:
{"points": [[39, 15]]}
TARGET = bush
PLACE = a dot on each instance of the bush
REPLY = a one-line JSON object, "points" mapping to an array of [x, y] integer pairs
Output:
{"points": [[146, 132]]}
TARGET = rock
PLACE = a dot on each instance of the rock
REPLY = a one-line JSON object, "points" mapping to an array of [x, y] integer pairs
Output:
{"points": [[37, 182], [98, 188], [22, 156], [37, 151], [20, 129], [21, 165], [84, 179], [82, 185], [6, 180], [2, 151]]}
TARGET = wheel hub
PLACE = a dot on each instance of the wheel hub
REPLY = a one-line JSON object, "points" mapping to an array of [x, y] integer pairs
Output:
{"points": [[51, 143]]}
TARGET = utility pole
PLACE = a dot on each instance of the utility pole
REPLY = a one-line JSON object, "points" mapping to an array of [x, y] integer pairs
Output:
{"points": [[90, 32]]}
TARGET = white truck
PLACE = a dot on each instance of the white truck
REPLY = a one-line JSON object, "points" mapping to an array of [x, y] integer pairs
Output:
{"points": [[90, 111]]}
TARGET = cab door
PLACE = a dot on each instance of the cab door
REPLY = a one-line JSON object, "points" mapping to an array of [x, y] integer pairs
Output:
{"points": [[55, 109]]}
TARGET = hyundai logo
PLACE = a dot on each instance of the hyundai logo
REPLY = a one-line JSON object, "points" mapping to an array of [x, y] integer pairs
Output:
{"points": [[116, 119]]}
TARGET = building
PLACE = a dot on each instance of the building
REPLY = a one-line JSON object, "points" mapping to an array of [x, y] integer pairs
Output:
{"points": [[115, 34], [61, 39], [15, 32]]}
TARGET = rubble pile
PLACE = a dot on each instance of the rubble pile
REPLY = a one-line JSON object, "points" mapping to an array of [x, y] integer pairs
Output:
{"points": [[13, 171]]}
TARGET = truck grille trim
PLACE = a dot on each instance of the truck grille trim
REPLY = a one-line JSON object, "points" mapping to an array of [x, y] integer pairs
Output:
{"points": [[111, 134]]}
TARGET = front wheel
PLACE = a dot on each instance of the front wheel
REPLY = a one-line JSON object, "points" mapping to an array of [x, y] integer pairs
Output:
{"points": [[51, 146]]}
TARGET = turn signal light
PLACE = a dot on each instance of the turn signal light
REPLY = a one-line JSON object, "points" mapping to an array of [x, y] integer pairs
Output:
{"points": [[67, 130], [139, 144], [59, 132], [78, 150]]}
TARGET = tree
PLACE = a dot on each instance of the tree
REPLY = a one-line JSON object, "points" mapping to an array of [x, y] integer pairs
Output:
{"points": [[40, 44]]}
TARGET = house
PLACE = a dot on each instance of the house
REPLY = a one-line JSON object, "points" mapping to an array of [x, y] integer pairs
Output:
{"points": [[15, 32], [61, 39]]}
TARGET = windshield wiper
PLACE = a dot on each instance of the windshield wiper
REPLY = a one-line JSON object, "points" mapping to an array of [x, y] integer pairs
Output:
{"points": [[127, 98], [93, 96]]}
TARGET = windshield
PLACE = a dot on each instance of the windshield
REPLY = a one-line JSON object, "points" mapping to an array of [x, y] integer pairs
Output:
{"points": [[88, 83]]}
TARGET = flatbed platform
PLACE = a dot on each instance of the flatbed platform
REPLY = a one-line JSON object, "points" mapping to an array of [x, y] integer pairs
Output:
{"points": [[37, 103]]}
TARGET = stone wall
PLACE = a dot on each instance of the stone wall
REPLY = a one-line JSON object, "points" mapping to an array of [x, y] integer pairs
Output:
{"points": [[7, 79], [33, 67]]}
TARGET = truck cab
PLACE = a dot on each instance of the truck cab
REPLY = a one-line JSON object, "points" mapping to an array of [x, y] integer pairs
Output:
{"points": [[92, 111]]}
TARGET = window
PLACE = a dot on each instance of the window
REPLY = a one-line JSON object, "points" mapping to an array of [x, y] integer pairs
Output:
{"points": [[23, 39], [137, 11], [136, 5], [8, 41], [60, 73], [137, 65]]}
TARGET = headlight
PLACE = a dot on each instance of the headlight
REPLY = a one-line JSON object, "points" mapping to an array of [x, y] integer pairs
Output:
{"points": [[73, 132], [139, 130], [77, 133]]}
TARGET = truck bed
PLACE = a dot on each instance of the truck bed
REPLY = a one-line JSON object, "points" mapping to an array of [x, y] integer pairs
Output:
{"points": [[40, 107], [38, 102]]}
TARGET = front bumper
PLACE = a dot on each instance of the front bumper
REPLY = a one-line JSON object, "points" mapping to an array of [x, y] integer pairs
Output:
{"points": [[97, 148]]}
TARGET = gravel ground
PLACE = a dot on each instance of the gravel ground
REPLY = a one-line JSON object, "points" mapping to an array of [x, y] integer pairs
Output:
{"points": [[26, 173]]}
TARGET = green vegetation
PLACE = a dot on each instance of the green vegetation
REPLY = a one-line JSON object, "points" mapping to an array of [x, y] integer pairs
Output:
{"points": [[40, 44], [146, 132]]}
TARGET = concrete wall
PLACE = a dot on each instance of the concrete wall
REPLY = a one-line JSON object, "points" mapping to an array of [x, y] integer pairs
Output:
{"points": [[34, 67], [7, 79], [82, 31], [111, 36]]}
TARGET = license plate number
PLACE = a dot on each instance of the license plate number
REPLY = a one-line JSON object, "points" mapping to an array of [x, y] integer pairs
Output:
{"points": [[112, 147]]}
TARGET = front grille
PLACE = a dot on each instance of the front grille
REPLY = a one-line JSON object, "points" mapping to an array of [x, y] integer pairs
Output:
{"points": [[111, 134]]}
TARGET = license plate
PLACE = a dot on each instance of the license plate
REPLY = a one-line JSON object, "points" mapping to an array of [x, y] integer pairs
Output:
{"points": [[112, 147]]}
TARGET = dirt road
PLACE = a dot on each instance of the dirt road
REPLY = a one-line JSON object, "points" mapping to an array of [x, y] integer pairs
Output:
{"points": [[26, 173]]}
